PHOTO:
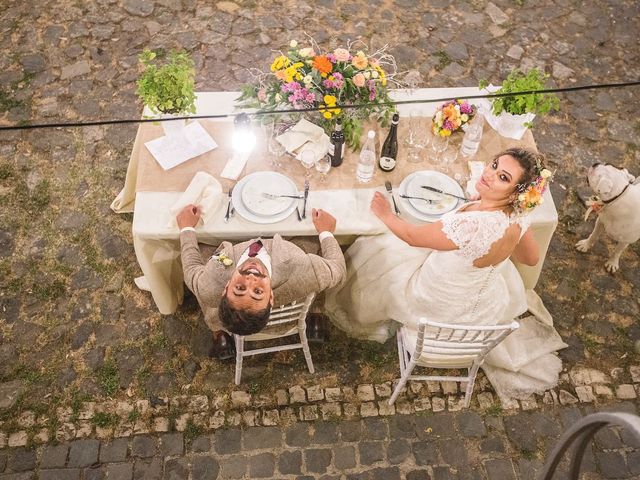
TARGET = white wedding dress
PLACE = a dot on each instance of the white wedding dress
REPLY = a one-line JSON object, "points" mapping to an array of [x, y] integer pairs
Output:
{"points": [[389, 281]]}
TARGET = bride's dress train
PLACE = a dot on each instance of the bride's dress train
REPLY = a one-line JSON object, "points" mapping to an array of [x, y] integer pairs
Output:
{"points": [[389, 281]]}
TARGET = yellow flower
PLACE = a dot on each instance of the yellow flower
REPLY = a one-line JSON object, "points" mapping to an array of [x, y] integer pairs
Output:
{"points": [[279, 63], [545, 173], [327, 115], [330, 100], [383, 76], [445, 133]]}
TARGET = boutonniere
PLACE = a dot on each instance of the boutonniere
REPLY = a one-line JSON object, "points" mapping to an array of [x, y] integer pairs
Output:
{"points": [[224, 259]]}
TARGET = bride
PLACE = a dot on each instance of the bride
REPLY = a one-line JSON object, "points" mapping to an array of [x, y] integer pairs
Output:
{"points": [[457, 271]]}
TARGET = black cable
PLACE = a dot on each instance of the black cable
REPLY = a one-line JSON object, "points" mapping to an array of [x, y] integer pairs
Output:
{"points": [[317, 109]]}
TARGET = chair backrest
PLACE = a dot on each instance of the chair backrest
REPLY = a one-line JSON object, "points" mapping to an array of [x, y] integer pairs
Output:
{"points": [[284, 318], [442, 340]]}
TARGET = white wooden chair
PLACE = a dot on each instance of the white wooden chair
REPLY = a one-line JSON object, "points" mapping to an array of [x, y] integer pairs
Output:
{"points": [[440, 345], [284, 321]]}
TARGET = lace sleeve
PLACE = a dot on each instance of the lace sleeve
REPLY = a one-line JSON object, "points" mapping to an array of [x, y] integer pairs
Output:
{"points": [[474, 233], [524, 222]]}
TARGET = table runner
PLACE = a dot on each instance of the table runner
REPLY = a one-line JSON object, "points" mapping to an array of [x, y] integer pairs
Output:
{"points": [[151, 177]]}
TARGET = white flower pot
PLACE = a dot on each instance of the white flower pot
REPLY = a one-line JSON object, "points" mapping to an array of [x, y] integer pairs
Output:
{"points": [[506, 124], [172, 128]]}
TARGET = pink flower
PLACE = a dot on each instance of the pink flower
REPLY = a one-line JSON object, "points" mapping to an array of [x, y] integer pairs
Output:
{"points": [[359, 80], [262, 95], [342, 55], [332, 58], [466, 108]]}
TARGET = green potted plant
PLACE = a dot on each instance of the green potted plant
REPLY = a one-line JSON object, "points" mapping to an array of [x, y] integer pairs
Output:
{"points": [[166, 86], [511, 116]]}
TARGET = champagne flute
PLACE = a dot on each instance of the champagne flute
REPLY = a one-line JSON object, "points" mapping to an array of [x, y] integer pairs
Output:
{"points": [[308, 160], [323, 165]]}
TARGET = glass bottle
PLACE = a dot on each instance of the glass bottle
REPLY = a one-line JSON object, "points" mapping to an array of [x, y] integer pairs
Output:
{"points": [[471, 139], [389, 152], [367, 160], [336, 148]]}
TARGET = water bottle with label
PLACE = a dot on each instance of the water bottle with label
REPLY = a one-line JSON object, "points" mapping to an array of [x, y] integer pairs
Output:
{"points": [[471, 139], [367, 161]]}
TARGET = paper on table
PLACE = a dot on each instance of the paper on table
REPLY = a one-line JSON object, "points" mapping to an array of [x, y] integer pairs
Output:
{"points": [[204, 191], [172, 151]]}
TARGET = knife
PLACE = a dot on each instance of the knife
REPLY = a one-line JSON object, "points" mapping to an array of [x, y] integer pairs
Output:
{"points": [[306, 194], [226, 215], [427, 187]]}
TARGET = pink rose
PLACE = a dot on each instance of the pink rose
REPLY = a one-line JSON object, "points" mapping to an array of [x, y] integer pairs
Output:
{"points": [[359, 80], [342, 54]]}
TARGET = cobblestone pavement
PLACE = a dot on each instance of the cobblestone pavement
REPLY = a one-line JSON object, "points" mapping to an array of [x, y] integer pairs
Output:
{"points": [[439, 446], [84, 354]]}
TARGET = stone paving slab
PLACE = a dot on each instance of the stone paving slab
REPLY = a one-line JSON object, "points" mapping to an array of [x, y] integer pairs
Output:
{"points": [[461, 445]]}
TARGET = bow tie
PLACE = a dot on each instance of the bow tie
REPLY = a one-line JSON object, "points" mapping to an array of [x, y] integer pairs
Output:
{"points": [[254, 248]]}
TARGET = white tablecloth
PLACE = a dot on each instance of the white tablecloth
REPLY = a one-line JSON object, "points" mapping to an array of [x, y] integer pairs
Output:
{"points": [[158, 247]]}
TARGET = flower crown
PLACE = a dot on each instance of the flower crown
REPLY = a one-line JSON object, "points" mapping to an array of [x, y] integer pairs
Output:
{"points": [[530, 194]]}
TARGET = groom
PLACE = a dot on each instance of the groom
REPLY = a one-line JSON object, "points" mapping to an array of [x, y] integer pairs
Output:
{"points": [[238, 285]]}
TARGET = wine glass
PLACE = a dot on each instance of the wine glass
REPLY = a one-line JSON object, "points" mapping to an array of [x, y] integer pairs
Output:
{"points": [[449, 156], [308, 160], [414, 154], [439, 145], [417, 135], [323, 165], [275, 148]]}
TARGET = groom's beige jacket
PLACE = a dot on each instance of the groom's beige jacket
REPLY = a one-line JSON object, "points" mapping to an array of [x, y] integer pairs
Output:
{"points": [[295, 274]]}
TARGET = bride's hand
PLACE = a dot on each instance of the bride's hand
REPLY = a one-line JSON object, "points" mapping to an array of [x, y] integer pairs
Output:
{"points": [[380, 206]]}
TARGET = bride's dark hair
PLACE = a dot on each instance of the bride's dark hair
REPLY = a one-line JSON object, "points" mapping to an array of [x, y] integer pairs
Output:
{"points": [[531, 162]]}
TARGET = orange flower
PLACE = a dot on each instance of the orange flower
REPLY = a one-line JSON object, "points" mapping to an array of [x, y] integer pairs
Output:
{"points": [[533, 196], [322, 64], [450, 112]]}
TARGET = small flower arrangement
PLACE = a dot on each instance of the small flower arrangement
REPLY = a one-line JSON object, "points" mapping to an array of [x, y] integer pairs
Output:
{"points": [[530, 195], [223, 259], [452, 116], [306, 77]]}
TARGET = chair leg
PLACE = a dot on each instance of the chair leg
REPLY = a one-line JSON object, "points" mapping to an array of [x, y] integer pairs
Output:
{"points": [[403, 381], [239, 351], [473, 371], [305, 349]]}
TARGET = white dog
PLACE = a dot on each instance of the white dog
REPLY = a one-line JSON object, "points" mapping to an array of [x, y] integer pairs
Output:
{"points": [[619, 210]]}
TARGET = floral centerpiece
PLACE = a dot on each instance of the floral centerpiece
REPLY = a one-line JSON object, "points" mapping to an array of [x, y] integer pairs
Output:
{"points": [[452, 116], [305, 77]]}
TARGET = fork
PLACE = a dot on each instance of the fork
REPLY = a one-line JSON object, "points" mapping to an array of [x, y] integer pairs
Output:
{"points": [[229, 208], [428, 200], [273, 196], [389, 188]]}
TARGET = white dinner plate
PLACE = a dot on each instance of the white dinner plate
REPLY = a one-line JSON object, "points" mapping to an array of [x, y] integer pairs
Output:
{"points": [[263, 179], [267, 182], [422, 210]]}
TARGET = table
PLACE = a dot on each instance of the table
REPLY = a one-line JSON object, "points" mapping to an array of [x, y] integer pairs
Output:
{"points": [[149, 192]]}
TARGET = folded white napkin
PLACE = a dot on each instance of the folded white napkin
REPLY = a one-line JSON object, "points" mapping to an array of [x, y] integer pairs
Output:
{"points": [[204, 191], [302, 135], [476, 168]]}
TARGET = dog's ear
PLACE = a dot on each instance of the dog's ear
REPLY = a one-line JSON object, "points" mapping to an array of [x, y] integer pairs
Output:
{"points": [[630, 177], [603, 187]]}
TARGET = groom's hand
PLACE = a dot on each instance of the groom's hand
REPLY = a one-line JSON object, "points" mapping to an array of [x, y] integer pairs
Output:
{"points": [[323, 221], [188, 216]]}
